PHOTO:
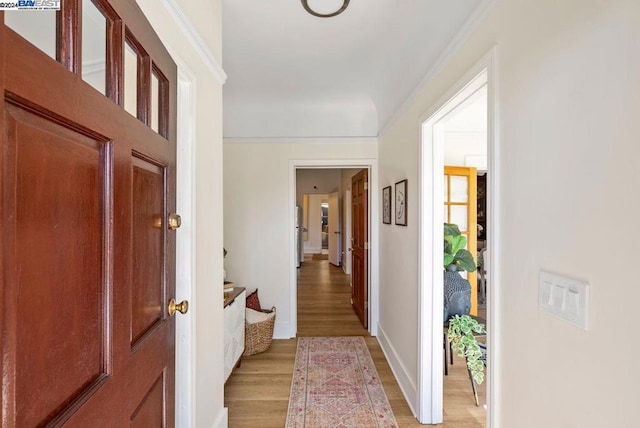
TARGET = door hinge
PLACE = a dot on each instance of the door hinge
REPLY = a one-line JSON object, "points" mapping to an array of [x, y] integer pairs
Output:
{"points": [[351, 301], [366, 245], [366, 185], [366, 305]]}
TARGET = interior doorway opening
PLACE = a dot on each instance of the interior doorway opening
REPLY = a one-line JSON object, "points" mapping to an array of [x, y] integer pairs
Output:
{"points": [[307, 186], [468, 107]]}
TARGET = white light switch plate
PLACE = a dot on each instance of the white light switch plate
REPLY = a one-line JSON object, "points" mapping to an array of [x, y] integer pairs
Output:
{"points": [[565, 298]]}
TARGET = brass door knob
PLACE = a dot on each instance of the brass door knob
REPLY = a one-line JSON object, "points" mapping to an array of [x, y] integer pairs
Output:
{"points": [[182, 307], [174, 221]]}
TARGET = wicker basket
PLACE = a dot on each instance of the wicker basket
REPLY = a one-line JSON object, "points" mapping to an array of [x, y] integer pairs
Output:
{"points": [[258, 336]]}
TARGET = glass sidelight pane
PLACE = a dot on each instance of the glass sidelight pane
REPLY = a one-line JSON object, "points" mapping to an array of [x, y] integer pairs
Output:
{"points": [[155, 102], [37, 27], [130, 80], [94, 46], [459, 188]]}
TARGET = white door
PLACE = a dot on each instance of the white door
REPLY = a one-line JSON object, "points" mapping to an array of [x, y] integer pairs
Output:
{"points": [[334, 229], [346, 252]]}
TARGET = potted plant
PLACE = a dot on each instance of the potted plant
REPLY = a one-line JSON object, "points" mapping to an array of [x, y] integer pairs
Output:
{"points": [[457, 290], [462, 329], [462, 335], [456, 257]]}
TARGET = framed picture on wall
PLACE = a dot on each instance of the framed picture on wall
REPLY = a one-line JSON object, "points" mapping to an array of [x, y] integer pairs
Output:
{"points": [[401, 203], [386, 205]]}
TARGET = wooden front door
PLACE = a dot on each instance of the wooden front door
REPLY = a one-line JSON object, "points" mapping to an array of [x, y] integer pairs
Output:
{"points": [[87, 259], [359, 245], [460, 207]]}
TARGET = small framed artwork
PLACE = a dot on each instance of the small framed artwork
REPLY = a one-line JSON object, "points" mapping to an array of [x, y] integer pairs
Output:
{"points": [[386, 205], [401, 203]]}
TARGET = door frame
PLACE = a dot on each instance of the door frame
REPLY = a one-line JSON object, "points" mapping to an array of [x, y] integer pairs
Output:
{"points": [[185, 245], [431, 289], [372, 166], [338, 239], [346, 231]]}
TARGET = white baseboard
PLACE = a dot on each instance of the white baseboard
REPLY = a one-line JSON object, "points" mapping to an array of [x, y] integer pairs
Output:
{"points": [[222, 421], [407, 386], [282, 330], [314, 250]]}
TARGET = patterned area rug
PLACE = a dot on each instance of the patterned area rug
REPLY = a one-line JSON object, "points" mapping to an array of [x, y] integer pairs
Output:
{"points": [[335, 384]]}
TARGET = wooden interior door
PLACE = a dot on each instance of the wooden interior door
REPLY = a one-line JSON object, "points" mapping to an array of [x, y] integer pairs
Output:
{"points": [[460, 207], [360, 246], [87, 258], [334, 229]]}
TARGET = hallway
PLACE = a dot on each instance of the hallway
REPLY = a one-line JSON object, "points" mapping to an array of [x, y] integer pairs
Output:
{"points": [[257, 393]]}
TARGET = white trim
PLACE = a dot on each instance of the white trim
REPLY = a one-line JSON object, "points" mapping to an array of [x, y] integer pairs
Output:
{"points": [[374, 280], [312, 250], [308, 140], [430, 294], [281, 330], [407, 386], [222, 421], [465, 31], [494, 340], [194, 39], [185, 247], [346, 265]]}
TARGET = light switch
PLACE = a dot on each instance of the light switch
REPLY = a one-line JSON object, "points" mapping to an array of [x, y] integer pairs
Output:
{"points": [[557, 296], [564, 297], [572, 303]]}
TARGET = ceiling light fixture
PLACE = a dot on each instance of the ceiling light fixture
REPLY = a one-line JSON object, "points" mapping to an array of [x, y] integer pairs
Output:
{"points": [[324, 8]]}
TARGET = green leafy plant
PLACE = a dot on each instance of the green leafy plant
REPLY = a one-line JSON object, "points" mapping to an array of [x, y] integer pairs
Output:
{"points": [[456, 257], [462, 335]]}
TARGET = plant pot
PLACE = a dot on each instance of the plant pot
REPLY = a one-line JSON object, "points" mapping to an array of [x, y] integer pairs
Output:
{"points": [[457, 295]]}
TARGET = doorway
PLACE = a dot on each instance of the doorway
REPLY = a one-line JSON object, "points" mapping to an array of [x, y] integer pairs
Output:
{"points": [[372, 236], [432, 216]]}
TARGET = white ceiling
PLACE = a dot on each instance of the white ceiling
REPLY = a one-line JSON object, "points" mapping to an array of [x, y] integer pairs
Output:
{"points": [[292, 75]]}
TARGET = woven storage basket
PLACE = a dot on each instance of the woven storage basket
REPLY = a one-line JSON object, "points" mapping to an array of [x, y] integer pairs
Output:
{"points": [[258, 336]]}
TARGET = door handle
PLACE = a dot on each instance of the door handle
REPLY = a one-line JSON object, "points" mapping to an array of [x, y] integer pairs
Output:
{"points": [[182, 307], [337, 233], [349, 249]]}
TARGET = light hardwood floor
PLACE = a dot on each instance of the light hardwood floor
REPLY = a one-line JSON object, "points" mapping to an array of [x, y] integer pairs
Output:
{"points": [[257, 393]]}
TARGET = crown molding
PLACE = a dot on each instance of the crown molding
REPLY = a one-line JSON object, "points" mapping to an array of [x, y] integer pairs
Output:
{"points": [[194, 38], [299, 140], [460, 37]]}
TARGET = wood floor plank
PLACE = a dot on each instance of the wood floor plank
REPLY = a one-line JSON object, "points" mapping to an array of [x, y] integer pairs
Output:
{"points": [[257, 393]]}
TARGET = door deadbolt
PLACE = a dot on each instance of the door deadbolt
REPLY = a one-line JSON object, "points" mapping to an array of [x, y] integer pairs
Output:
{"points": [[174, 221]]}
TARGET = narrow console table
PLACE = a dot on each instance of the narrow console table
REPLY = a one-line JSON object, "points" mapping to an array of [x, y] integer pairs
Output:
{"points": [[234, 307]]}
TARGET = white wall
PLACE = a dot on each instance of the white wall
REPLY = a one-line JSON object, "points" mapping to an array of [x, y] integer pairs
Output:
{"points": [[205, 306], [465, 132], [568, 109], [324, 181], [256, 213], [314, 243]]}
